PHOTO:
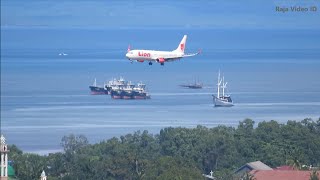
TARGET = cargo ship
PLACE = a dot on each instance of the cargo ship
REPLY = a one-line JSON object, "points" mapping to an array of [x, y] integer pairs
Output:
{"points": [[116, 93], [139, 92], [222, 100], [121, 89], [107, 87], [97, 90], [130, 92], [127, 92]]}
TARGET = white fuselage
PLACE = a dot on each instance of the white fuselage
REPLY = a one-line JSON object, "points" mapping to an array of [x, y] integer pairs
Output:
{"points": [[161, 57], [151, 55]]}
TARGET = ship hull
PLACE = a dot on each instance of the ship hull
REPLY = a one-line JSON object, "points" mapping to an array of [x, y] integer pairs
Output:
{"points": [[127, 94], [141, 97], [195, 87], [116, 95], [97, 93], [221, 102], [192, 86], [95, 90]]}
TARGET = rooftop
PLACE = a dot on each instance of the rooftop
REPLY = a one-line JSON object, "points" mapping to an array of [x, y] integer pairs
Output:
{"points": [[284, 168], [258, 165], [281, 175]]}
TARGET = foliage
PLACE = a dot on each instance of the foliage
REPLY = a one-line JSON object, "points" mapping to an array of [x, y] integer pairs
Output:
{"points": [[29, 166], [248, 176], [177, 153], [314, 175]]}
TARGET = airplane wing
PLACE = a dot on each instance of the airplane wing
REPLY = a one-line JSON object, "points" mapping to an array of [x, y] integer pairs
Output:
{"points": [[193, 54]]}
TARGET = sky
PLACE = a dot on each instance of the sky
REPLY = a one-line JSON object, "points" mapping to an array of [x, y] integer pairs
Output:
{"points": [[215, 14]]}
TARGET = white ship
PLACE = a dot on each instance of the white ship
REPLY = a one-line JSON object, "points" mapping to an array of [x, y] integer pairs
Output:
{"points": [[222, 100]]}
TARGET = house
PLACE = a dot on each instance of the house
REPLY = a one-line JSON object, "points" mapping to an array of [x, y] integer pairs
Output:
{"points": [[260, 171], [281, 175], [257, 165], [284, 168]]}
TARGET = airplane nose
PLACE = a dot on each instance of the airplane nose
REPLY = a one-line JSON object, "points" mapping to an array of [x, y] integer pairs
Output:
{"points": [[127, 55]]}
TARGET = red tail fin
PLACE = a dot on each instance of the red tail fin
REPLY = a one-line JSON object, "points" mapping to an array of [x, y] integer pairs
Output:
{"points": [[128, 48], [182, 44]]}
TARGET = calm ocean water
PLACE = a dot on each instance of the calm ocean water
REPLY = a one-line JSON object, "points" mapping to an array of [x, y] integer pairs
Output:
{"points": [[272, 75]]}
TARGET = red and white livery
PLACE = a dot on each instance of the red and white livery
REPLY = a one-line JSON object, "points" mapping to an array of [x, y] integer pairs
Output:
{"points": [[159, 56]]}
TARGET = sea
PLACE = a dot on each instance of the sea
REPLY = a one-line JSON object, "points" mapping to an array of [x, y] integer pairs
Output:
{"points": [[272, 74]]}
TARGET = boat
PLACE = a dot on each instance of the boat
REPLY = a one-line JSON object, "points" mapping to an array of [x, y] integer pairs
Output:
{"points": [[97, 90], [63, 54], [139, 92], [222, 100], [122, 89], [195, 85], [107, 87], [116, 94], [127, 91]]}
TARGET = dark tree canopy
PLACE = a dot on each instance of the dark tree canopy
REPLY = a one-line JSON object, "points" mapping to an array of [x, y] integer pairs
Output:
{"points": [[178, 153]]}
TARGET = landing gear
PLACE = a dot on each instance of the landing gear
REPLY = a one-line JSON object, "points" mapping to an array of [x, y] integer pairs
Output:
{"points": [[150, 63], [162, 64]]}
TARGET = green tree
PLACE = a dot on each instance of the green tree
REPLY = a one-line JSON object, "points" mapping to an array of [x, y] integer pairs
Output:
{"points": [[246, 142], [294, 163], [29, 166], [248, 176], [177, 153], [314, 175], [172, 168], [72, 143], [246, 126]]}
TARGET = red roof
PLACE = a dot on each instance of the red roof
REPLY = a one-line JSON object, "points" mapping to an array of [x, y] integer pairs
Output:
{"points": [[281, 175], [284, 168]]}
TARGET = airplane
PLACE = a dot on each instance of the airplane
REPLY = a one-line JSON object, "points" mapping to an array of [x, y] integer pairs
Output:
{"points": [[159, 56]]}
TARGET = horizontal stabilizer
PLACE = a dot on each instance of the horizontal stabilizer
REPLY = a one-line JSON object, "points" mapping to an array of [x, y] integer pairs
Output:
{"points": [[193, 54]]}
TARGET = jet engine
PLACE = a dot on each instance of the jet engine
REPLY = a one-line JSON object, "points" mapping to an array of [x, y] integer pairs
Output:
{"points": [[161, 60]]}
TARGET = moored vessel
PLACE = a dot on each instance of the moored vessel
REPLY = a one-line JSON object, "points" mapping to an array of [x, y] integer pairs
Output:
{"points": [[116, 94], [195, 85], [121, 89], [140, 92], [97, 90], [222, 100]]}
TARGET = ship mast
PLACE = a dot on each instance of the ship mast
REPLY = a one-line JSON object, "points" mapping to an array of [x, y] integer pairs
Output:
{"points": [[95, 82], [218, 85], [223, 86]]}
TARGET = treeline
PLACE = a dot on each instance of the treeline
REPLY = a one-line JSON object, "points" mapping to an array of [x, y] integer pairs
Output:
{"points": [[177, 153]]}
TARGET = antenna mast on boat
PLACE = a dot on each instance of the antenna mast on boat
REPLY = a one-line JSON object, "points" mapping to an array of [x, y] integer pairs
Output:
{"points": [[219, 82], [223, 86], [95, 82]]}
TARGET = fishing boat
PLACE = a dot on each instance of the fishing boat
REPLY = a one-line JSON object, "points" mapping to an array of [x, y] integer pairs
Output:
{"points": [[222, 99], [195, 85], [121, 89]]}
